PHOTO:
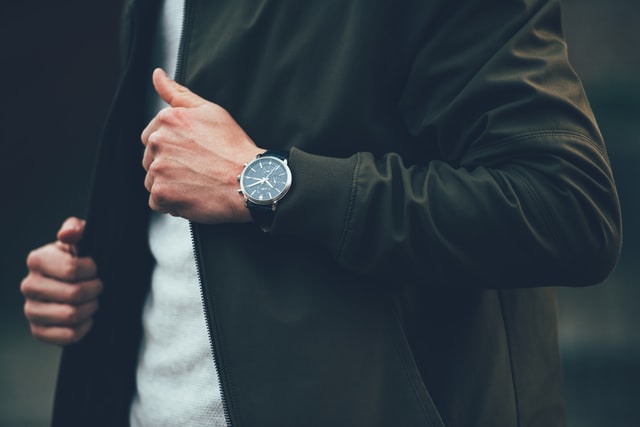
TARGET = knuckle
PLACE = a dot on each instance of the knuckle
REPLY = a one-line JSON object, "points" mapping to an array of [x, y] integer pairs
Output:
{"points": [[161, 194], [157, 167], [171, 117], [26, 286], [37, 331], [69, 268], [148, 181], [75, 334], [75, 294], [165, 115], [218, 109], [154, 142], [175, 115], [33, 259], [87, 264], [69, 315], [43, 333], [28, 309], [69, 336]]}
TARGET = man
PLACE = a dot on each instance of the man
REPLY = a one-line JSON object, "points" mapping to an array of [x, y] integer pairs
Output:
{"points": [[431, 169]]}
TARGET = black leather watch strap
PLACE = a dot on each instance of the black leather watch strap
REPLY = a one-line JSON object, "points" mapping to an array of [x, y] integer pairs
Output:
{"points": [[276, 153], [263, 214]]}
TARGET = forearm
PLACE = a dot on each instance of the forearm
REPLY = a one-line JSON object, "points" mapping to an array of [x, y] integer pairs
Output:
{"points": [[526, 223], [508, 183]]}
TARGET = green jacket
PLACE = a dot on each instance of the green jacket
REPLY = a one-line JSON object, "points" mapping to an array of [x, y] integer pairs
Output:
{"points": [[447, 171]]}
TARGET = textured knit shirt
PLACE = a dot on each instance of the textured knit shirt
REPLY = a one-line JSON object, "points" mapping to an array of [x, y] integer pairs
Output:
{"points": [[176, 377]]}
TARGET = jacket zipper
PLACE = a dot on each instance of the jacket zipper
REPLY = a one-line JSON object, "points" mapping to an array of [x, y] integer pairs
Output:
{"points": [[208, 322], [179, 77]]}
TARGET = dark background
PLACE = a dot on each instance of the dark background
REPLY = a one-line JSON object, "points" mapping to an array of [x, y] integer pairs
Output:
{"points": [[59, 65]]}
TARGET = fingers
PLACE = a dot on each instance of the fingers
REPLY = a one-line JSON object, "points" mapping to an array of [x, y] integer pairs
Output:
{"points": [[41, 288], [61, 290], [46, 314], [55, 261], [71, 230], [59, 313], [61, 335], [174, 93], [148, 130], [148, 157]]}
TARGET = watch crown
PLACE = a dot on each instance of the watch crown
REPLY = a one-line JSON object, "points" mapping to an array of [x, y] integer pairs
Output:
{"points": [[238, 178]]}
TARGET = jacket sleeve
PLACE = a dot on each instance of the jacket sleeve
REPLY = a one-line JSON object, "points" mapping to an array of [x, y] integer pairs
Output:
{"points": [[521, 193]]}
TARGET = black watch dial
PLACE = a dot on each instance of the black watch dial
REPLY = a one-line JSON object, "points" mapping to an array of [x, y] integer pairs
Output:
{"points": [[265, 180]]}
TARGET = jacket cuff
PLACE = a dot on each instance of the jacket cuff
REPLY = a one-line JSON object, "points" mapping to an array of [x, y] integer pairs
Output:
{"points": [[319, 203]]}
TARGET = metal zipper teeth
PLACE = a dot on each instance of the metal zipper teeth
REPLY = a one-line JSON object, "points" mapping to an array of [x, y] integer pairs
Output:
{"points": [[180, 78], [208, 322]]}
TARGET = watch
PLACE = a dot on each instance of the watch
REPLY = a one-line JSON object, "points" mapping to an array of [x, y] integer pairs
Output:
{"points": [[264, 181]]}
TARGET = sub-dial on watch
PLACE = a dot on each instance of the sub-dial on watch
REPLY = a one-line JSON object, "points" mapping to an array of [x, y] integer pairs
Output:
{"points": [[263, 182]]}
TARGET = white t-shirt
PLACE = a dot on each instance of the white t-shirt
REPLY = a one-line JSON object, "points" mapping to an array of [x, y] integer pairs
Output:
{"points": [[176, 381]]}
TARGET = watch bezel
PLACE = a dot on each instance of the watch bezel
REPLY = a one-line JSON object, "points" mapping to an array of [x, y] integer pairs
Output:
{"points": [[271, 201]]}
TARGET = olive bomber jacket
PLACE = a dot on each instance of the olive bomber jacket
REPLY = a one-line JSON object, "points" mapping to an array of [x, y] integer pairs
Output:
{"points": [[447, 172]]}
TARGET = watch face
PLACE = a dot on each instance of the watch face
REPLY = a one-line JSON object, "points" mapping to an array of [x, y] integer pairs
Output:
{"points": [[265, 180]]}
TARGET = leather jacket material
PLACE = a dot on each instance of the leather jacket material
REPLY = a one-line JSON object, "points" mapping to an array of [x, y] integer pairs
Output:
{"points": [[447, 172]]}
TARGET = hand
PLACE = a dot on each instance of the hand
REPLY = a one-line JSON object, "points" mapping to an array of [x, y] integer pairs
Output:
{"points": [[194, 151], [61, 290]]}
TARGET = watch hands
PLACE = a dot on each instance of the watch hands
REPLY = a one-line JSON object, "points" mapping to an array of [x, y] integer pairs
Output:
{"points": [[260, 181], [273, 170], [263, 180]]}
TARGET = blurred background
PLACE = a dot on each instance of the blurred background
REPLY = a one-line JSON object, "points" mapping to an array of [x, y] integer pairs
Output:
{"points": [[59, 65]]}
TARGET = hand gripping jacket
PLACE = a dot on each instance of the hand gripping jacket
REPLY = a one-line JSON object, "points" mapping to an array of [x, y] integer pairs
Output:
{"points": [[447, 172]]}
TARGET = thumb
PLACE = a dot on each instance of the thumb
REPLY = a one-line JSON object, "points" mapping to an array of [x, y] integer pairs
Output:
{"points": [[172, 92], [71, 230]]}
